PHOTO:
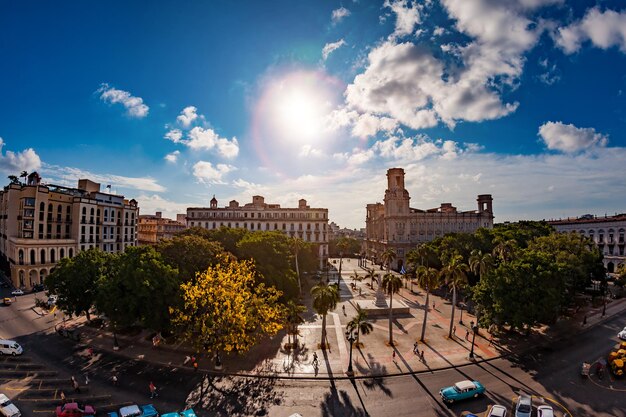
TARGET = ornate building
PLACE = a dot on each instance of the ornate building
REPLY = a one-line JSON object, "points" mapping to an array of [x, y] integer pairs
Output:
{"points": [[608, 233], [152, 228], [394, 224], [309, 224], [41, 224]]}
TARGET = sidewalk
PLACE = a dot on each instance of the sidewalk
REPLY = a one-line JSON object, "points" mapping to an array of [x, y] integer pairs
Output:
{"points": [[374, 358]]}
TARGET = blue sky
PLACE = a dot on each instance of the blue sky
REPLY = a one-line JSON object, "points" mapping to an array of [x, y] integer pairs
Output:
{"points": [[174, 102]]}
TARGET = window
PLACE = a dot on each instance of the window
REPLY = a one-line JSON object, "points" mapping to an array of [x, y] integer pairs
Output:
{"points": [[71, 252], [20, 257], [43, 256], [52, 257], [62, 253], [32, 257], [42, 210]]}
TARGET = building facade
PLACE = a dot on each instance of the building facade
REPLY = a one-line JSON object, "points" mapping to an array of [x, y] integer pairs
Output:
{"points": [[41, 224], [608, 233], [394, 224], [152, 228], [304, 222]]}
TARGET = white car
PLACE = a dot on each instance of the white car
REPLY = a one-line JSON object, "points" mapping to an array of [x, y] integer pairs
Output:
{"points": [[545, 411], [497, 411], [17, 292], [7, 408], [622, 334]]}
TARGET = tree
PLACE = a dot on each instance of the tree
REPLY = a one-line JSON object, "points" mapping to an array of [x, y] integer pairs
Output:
{"points": [[480, 264], [294, 319], [325, 299], [387, 257], [225, 309], [342, 245], [296, 244], [423, 255], [391, 284], [13, 179], [139, 288], [427, 278], [190, 254], [372, 275], [504, 249], [360, 324], [24, 175], [74, 280], [454, 273]]}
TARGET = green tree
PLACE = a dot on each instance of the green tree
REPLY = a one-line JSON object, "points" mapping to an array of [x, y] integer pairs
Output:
{"points": [[427, 278], [356, 277], [454, 273], [225, 309], [74, 280], [325, 299], [360, 324], [190, 254], [387, 257], [504, 249], [24, 175], [294, 319], [391, 285], [372, 275], [13, 179], [480, 263]]}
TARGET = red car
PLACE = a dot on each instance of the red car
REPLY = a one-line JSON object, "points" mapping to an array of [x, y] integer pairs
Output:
{"points": [[74, 410]]}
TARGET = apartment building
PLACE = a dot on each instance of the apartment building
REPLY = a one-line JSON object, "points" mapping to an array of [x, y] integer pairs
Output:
{"points": [[153, 228]]}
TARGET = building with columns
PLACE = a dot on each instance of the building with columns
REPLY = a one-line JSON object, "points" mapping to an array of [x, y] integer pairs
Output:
{"points": [[309, 224], [152, 228], [394, 224], [43, 223], [608, 233]]}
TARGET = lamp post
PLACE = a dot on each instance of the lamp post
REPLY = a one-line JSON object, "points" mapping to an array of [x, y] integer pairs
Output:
{"points": [[351, 339], [474, 328]]}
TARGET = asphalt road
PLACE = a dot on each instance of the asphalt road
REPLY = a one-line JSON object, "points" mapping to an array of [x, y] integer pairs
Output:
{"points": [[550, 375]]}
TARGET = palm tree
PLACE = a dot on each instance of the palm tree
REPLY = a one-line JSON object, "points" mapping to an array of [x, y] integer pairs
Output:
{"points": [[356, 277], [420, 256], [387, 257], [480, 263], [504, 249], [13, 179], [296, 245], [24, 174], [454, 273], [391, 284], [325, 299], [360, 324], [342, 245], [372, 276], [294, 319], [427, 278]]}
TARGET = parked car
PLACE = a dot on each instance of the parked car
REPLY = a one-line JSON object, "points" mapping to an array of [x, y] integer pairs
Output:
{"points": [[52, 300], [7, 301], [17, 291], [188, 413], [7, 408], [9, 347], [524, 406], [462, 390], [622, 334], [147, 410], [497, 410], [545, 411], [75, 410]]}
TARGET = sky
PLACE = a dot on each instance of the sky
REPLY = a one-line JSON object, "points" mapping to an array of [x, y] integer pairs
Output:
{"points": [[172, 103]]}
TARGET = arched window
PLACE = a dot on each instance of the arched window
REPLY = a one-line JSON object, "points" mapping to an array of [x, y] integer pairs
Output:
{"points": [[32, 257], [20, 257], [43, 256], [59, 209], [61, 253], [84, 211], [106, 215], [50, 209], [71, 253], [52, 257], [42, 211], [91, 212]]}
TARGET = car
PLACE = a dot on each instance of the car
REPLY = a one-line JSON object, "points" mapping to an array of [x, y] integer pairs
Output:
{"points": [[10, 347], [134, 410], [17, 291], [524, 406], [187, 413], [545, 411], [622, 334], [7, 301], [75, 410], [497, 410], [52, 300], [462, 390], [7, 408]]}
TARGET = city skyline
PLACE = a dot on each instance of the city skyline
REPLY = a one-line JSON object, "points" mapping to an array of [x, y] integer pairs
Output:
{"points": [[174, 104]]}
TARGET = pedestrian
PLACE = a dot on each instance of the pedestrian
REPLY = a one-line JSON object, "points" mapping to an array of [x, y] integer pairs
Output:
{"points": [[343, 307], [454, 330], [62, 395], [153, 390], [422, 356], [195, 366], [86, 378], [72, 380], [187, 360], [315, 362], [415, 349], [433, 305], [114, 379], [467, 335], [393, 356], [490, 340]]}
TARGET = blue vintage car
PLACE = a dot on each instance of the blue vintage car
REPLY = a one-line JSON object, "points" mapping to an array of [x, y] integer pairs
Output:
{"points": [[462, 390], [186, 413], [147, 410]]}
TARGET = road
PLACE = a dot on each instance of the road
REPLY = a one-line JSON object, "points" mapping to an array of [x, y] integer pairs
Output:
{"points": [[550, 375]]}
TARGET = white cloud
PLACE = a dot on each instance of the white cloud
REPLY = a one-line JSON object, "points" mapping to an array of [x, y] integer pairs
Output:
{"points": [[331, 47], [207, 173], [339, 14], [175, 135], [69, 176], [438, 31], [604, 29], [569, 138], [16, 162], [187, 116], [308, 150], [407, 16], [367, 125], [172, 157], [151, 203], [135, 106]]}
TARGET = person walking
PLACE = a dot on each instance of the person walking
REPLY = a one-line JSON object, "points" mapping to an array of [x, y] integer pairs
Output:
{"points": [[434, 306], [115, 381], [467, 335], [62, 396], [422, 356], [415, 349], [153, 390], [315, 361], [393, 356], [454, 330], [343, 307]]}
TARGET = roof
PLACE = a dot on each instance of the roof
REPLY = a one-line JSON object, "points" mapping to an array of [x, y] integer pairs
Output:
{"points": [[586, 219], [464, 385]]}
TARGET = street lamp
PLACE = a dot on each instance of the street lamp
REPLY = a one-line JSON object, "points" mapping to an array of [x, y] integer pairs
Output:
{"points": [[474, 328], [350, 335]]}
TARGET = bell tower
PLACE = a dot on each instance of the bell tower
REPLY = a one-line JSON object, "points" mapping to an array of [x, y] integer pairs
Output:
{"points": [[396, 196]]}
